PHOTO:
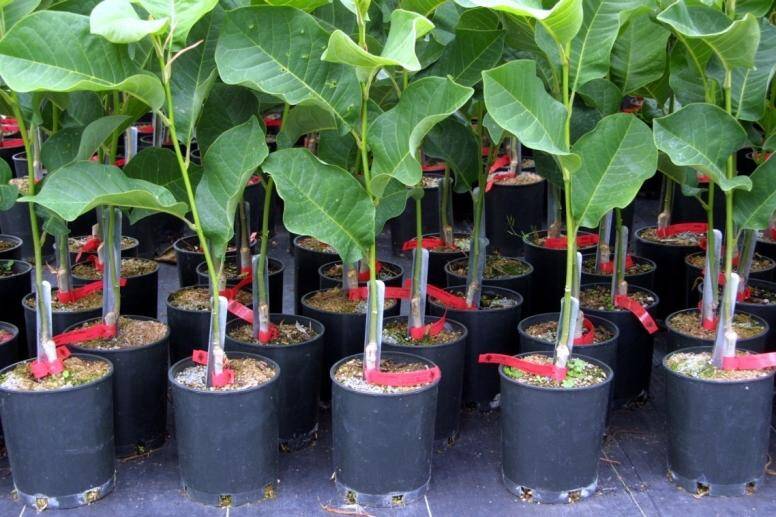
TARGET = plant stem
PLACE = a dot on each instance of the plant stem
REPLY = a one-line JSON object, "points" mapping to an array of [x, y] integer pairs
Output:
{"points": [[446, 230], [617, 240], [730, 172], [262, 266]]}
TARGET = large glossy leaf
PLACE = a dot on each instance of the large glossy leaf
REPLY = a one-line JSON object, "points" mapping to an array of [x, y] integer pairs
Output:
{"points": [[83, 108], [753, 209], [687, 78], [286, 60], [562, 21], [12, 12], [547, 166], [603, 95], [305, 5], [453, 141], [118, 22], [424, 7], [61, 148], [183, 14], [391, 204], [324, 201], [617, 157], [639, 53], [702, 136], [159, 166], [478, 45], [80, 186], [399, 48], [592, 46], [755, 7], [227, 106], [339, 150], [194, 73], [228, 164], [98, 132], [302, 120], [8, 193], [69, 58], [733, 42], [396, 135], [750, 85], [76, 144], [518, 102]]}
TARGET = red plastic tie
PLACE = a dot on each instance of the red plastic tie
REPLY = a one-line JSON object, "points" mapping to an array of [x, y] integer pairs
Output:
{"points": [[675, 229], [225, 378], [199, 357], [545, 370], [434, 167], [84, 291], [272, 121], [559, 243], [363, 276], [90, 246], [41, 368], [230, 293], [749, 361], [431, 329], [588, 337], [98, 331], [269, 335], [608, 267], [240, 310], [638, 310], [95, 261], [772, 233], [145, 129], [396, 293], [375, 376], [744, 295], [449, 300], [428, 243]]}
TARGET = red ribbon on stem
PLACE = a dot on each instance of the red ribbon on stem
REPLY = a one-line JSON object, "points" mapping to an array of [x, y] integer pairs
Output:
{"points": [[226, 376], [749, 361], [84, 291], [545, 370], [41, 368], [98, 331], [638, 310], [588, 337], [559, 243], [428, 243], [240, 310], [430, 329], [675, 229], [608, 267], [361, 293], [434, 167], [449, 300], [230, 293], [363, 276], [375, 376], [90, 246]]}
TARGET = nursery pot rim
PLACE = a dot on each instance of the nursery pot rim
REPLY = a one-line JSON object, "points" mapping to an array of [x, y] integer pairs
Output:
{"points": [[333, 262], [527, 241], [510, 277], [22, 263], [320, 332], [514, 295], [13, 238], [687, 378], [9, 327], [64, 389], [296, 240], [630, 286], [521, 185], [744, 340], [324, 311], [185, 238], [175, 368], [607, 369], [135, 242], [452, 251], [752, 282], [31, 295], [126, 349], [460, 326], [761, 256], [636, 258], [156, 270], [405, 355], [201, 268], [637, 236], [187, 311], [553, 316]]}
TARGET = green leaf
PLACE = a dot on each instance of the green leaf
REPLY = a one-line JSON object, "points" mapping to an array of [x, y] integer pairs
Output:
{"points": [[391, 204], [302, 120], [226, 107], [396, 135], [83, 108], [13, 11], [304, 5], [8, 193], [97, 132], [69, 58], [702, 136], [757, 8], [518, 102], [750, 86], [323, 201], [733, 42], [228, 164], [562, 21], [548, 168], [286, 61], [80, 186], [687, 77], [399, 48], [61, 148], [478, 45], [424, 7], [603, 95], [639, 54], [159, 166], [752, 210], [617, 157], [183, 14], [453, 141], [194, 74], [592, 46], [118, 22], [339, 150], [495, 132]]}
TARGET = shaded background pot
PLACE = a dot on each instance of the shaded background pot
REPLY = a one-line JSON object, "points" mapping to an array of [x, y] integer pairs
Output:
{"points": [[300, 379], [767, 247], [139, 296], [129, 251], [327, 281], [14, 288], [510, 212], [644, 279], [571, 420], [717, 431], [439, 257], [677, 339], [694, 275], [60, 321], [765, 311], [276, 269], [139, 393], [14, 251], [9, 347], [520, 283], [218, 471], [16, 221], [382, 443], [489, 330], [450, 358], [306, 264], [403, 228], [60, 442]]}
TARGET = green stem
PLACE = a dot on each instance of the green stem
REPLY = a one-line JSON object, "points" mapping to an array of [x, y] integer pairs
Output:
{"points": [[264, 239], [617, 240], [730, 172]]}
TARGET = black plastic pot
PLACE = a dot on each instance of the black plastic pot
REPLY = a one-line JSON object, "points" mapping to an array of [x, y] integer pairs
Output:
{"points": [[219, 471], [767, 248], [60, 321], [8, 349], [717, 432], [139, 393], [520, 284], [275, 282], [130, 251], [678, 340], [687, 208], [645, 279], [14, 252], [10, 147], [694, 274], [450, 358], [14, 288], [549, 273], [327, 282], [633, 367], [155, 233], [572, 420], [254, 195], [766, 312], [187, 260], [511, 211], [606, 351], [138, 297], [19, 164], [300, 382], [670, 263], [403, 226], [16, 221], [306, 264], [382, 443], [437, 259], [344, 336], [60, 443], [490, 330]]}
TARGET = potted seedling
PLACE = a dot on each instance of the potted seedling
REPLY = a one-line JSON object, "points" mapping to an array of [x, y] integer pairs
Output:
{"points": [[602, 170], [700, 381]]}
